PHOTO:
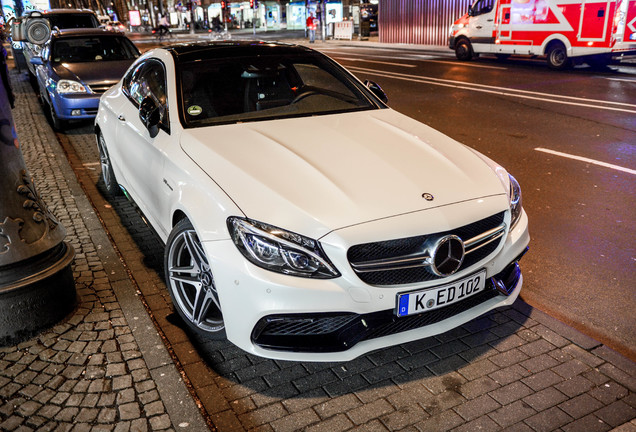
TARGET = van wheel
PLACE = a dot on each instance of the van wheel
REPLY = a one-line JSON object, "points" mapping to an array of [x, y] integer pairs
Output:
{"points": [[463, 50], [558, 57]]}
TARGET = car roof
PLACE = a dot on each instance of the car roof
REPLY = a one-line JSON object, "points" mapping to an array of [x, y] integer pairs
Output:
{"points": [[62, 12], [63, 33], [221, 49]]}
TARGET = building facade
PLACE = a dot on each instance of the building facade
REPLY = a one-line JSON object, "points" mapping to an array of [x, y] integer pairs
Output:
{"points": [[418, 21]]}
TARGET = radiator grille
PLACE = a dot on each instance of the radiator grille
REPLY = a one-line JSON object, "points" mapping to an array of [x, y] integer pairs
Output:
{"points": [[413, 247]]}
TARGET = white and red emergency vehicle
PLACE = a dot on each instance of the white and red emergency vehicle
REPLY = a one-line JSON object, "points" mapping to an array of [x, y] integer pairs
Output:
{"points": [[562, 30]]}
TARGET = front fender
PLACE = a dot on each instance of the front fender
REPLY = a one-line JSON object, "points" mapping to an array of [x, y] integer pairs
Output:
{"points": [[204, 203]]}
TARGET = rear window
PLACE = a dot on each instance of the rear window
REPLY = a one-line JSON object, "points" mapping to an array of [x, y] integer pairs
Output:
{"points": [[69, 21]]}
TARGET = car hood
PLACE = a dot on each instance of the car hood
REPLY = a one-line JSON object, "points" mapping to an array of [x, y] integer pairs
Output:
{"points": [[313, 175], [105, 72]]}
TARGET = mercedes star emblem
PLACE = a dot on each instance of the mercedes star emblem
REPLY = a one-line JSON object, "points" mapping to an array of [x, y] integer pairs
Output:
{"points": [[448, 255]]}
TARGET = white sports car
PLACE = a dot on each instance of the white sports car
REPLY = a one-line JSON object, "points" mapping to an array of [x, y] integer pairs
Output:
{"points": [[303, 218]]}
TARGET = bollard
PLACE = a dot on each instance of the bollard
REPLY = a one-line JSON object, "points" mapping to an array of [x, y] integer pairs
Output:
{"points": [[37, 288]]}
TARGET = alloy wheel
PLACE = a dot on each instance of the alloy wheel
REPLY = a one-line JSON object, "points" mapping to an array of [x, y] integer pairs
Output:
{"points": [[191, 282]]}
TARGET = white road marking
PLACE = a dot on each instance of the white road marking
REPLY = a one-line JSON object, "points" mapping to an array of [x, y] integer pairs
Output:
{"points": [[457, 63], [587, 160], [504, 91], [375, 61], [91, 163], [633, 81], [334, 54]]}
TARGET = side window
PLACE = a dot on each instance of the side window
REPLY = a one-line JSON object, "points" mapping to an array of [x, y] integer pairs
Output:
{"points": [[130, 85], [482, 6], [148, 79], [154, 77]]}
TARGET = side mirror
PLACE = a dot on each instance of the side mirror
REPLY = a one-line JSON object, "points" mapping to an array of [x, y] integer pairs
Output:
{"points": [[36, 61], [150, 115], [377, 90], [471, 12]]}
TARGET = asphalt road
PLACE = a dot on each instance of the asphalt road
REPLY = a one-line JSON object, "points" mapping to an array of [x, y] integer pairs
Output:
{"points": [[538, 123]]}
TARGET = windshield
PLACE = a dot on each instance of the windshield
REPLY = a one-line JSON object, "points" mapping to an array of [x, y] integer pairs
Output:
{"points": [[241, 89], [67, 21], [92, 48]]}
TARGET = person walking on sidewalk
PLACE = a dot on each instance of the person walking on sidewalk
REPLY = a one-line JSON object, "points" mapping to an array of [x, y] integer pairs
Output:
{"points": [[311, 27]]}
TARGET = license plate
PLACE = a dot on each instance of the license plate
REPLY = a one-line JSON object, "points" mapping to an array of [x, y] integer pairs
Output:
{"points": [[417, 302]]}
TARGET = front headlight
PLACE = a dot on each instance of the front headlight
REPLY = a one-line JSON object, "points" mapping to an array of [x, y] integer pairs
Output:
{"points": [[514, 196], [279, 250], [69, 86]]}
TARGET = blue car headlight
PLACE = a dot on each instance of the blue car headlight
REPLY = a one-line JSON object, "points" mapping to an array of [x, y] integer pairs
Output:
{"points": [[279, 250], [70, 86]]}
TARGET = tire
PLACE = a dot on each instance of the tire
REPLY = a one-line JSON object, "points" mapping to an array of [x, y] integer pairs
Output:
{"points": [[108, 175], [558, 57], [463, 50], [191, 284], [33, 80], [57, 123]]}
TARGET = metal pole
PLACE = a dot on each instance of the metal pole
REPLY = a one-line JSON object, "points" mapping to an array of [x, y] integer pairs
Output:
{"points": [[37, 288], [360, 20], [323, 19]]}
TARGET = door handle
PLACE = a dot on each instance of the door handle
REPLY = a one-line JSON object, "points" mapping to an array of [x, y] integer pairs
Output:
{"points": [[489, 20], [121, 117], [478, 26]]}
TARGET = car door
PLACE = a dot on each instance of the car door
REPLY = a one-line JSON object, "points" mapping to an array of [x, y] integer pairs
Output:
{"points": [[42, 71], [143, 162], [481, 25]]}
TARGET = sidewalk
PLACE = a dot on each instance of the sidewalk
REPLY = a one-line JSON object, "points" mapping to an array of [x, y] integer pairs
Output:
{"points": [[106, 368]]}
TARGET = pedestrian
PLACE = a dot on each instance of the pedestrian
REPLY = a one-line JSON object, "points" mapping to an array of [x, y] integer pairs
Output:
{"points": [[163, 26], [311, 27]]}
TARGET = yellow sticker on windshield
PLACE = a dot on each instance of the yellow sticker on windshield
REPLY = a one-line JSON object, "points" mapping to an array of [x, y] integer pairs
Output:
{"points": [[194, 110]]}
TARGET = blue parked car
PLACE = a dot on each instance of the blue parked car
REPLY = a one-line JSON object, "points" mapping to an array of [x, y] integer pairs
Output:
{"points": [[76, 66]]}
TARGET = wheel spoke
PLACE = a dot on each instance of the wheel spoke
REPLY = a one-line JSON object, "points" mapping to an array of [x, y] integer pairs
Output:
{"points": [[196, 251], [202, 302], [215, 297], [188, 269], [192, 280]]}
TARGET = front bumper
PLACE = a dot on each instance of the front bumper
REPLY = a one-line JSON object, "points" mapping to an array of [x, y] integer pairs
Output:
{"points": [[342, 318], [76, 106], [337, 332]]}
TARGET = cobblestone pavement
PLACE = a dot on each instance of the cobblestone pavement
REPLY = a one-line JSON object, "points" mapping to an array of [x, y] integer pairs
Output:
{"points": [[104, 368], [514, 369]]}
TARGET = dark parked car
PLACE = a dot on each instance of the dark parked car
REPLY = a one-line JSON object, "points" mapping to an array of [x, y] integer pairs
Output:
{"points": [[76, 67], [60, 19]]}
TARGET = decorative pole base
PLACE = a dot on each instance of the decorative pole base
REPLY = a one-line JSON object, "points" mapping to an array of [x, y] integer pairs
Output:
{"points": [[36, 293]]}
